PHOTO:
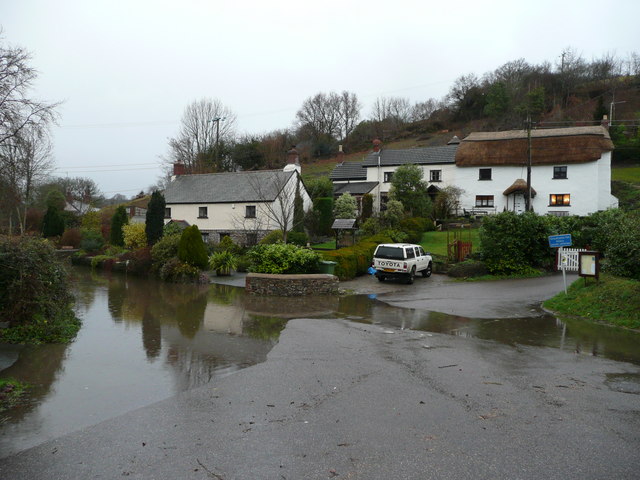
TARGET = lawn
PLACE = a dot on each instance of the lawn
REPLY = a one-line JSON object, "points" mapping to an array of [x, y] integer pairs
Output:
{"points": [[436, 242], [626, 174]]}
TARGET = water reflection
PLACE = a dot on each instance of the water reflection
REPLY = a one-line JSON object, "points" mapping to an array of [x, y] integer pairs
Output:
{"points": [[142, 341]]}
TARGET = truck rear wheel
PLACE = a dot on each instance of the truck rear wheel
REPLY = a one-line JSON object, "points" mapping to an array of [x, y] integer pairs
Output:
{"points": [[412, 276]]}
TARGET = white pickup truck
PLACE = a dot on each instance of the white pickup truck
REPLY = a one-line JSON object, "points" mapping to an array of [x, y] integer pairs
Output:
{"points": [[401, 260]]}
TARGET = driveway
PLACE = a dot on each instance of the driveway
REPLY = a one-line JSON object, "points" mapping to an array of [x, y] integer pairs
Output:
{"points": [[440, 293]]}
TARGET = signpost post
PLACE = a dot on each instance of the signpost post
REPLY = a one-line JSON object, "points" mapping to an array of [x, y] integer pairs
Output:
{"points": [[559, 241]]}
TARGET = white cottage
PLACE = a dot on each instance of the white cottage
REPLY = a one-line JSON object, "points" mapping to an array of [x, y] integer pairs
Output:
{"points": [[243, 205], [570, 171]]}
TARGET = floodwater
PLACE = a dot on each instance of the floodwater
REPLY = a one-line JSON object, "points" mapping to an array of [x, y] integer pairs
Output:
{"points": [[143, 341]]}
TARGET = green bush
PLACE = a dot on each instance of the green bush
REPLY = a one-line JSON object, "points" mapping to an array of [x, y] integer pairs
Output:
{"points": [[179, 272], [324, 208], [35, 298], [623, 249], [223, 262], [468, 268], [243, 264], [71, 237], [355, 260], [280, 258], [298, 238], [134, 236], [139, 261], [164, 250], [92, 241], [118, 220], [515, 244], [272, 237], [191, 248]]}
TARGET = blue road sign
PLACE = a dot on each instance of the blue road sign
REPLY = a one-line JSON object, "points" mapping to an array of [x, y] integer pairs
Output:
{"points": [[556, 241]]}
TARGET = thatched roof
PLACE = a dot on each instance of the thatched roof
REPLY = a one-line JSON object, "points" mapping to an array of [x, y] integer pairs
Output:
{"points": [[550, 146], [519, 186]]}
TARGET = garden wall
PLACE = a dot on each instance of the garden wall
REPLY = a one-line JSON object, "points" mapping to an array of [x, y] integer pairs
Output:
{"points": [[291, 285]]}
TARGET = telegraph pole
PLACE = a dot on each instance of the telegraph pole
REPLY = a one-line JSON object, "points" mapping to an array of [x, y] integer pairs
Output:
{"points": [[528, 124]]}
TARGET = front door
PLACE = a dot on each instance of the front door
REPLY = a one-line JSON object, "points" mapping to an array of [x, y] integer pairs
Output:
{"points": [[519, 205]]}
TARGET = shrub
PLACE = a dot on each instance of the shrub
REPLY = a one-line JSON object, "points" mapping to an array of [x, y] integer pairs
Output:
{"points": [[91, 221], [515, 244], [191, 248], [623, 250], [272, 237], [324, 208], [134, 236], [52, 223], [298, 238], [164, 250], [35, 297], [227, 245], [468, 268], [154, 223], [179, 272], [92, 241], [283, 258], [243, 264], [223, 262], [118, 220], [172, 228], [71, 237], [139, 261], [355, 260]]}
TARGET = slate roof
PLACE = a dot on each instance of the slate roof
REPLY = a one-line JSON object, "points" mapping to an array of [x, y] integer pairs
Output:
{"points": [[417, 156], [356, 188], [254, 186], [348, 171]]}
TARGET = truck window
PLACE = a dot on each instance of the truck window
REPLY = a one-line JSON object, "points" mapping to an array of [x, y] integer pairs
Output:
{"points": [[392, 253], [410, 253]]}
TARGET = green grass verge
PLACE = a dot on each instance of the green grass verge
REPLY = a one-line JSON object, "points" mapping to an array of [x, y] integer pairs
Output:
{"points": [[626, 174], [611, 300], [62, 329], [10, 393]]}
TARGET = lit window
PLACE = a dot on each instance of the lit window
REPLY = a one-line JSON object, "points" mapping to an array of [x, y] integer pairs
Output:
{"points": [[484, 200], [435, 175], [560, 199], [202, 212], [560, 172], [484, 174]]}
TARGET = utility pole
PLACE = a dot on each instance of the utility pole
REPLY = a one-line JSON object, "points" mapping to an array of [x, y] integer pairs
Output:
{"points": [[528, 125], [217, 122]]}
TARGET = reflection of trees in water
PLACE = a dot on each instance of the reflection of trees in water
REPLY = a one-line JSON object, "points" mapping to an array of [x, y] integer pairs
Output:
{"points": [[151, 336], [38, 366], [264, 328]]}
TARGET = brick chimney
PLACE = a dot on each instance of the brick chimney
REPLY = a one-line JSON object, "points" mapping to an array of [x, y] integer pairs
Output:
{"points": [[293, 161], [178, 169], [340, 155], [377, 144]]}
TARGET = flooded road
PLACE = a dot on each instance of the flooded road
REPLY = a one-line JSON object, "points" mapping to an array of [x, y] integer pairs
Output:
{"points": [[143, 341]]}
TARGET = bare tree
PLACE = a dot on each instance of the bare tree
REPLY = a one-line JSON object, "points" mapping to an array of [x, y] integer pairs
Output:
{"points": [[277, 191], [25, 159], [18, 110], [320, 114], [423, 110], [349, 113], [206, 125], [391, 113]]}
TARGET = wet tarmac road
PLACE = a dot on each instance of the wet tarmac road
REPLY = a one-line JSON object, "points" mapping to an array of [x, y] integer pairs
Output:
{"points": [[342, 400]]}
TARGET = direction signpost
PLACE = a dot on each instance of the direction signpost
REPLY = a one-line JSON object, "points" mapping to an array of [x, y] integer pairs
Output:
{"points": [[559, 241]]}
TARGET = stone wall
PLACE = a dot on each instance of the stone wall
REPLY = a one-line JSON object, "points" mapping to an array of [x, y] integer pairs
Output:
{"points": [[291, 285]]}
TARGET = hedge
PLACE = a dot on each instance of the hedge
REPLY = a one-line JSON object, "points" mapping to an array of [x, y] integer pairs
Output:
{"points": [[356, 260]]}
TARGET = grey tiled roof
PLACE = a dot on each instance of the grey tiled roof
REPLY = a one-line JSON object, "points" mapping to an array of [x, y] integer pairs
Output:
{"points": [[263, 185], [418, 156], [348, 171], [355, 188]]}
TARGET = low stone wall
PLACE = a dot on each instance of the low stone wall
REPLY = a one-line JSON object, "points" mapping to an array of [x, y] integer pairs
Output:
{"points": [[291, 285]]}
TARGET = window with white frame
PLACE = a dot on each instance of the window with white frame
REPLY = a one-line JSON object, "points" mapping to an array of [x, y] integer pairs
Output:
{"points": [[484, 200], [203, 212], [388, 176], [435, 175], [560, 200]]}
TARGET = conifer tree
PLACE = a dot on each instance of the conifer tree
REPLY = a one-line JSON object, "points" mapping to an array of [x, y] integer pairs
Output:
{"points": [[118, 220], [155, 217]]}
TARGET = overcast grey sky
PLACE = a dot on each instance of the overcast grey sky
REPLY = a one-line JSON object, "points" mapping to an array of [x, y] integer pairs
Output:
{"points": [[126, 69]]}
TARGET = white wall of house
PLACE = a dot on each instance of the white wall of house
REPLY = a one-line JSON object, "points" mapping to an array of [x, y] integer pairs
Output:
{"points": [[584, 185], [228, 217], [587, 184]]}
